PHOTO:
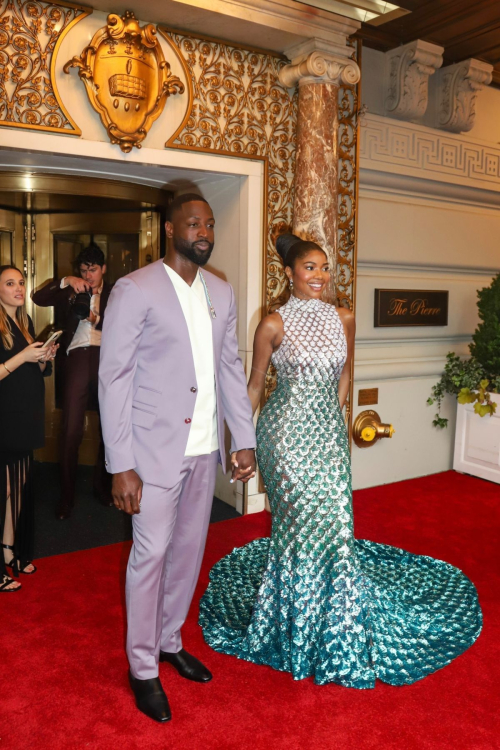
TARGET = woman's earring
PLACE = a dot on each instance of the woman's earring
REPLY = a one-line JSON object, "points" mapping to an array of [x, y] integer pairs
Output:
{"points": [[290, 282]]}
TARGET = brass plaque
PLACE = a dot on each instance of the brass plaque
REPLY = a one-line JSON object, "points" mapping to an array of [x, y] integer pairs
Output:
{"points": [[127, 77], [410, 307], [367, 396]]}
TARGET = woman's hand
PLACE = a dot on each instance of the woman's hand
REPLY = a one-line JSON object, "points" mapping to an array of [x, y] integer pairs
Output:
{"points": [[33, 352], [242, 465], [50, 353]]}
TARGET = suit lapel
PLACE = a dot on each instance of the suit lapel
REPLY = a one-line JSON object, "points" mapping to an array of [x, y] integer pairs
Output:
{"points": [[171, 301], [217, 322]]}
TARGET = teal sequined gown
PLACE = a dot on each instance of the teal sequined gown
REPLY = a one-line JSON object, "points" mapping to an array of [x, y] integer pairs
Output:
{"points": [[312, 600]]}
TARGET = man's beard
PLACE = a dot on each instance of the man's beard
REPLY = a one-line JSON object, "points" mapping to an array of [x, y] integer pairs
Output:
{"points": [[191, 252]]}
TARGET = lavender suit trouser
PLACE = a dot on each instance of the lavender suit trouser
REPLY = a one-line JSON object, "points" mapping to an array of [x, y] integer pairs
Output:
{"points": [[169, 537]]}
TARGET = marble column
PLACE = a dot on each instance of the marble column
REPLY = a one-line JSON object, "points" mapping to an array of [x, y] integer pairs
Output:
{"points": [[319, 71]]}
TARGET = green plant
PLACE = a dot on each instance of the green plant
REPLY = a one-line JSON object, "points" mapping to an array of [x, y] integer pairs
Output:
{"points": [[472, 380], [485, 345]]}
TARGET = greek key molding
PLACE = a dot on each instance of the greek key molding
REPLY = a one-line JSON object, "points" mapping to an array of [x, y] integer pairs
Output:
{"points": [[31, 32], [458, 87], [407, 80], [406, 148]]}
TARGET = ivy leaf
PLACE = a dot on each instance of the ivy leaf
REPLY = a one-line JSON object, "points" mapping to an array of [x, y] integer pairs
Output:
{"points": [[466, 396], [430, 401], [484, 409]]}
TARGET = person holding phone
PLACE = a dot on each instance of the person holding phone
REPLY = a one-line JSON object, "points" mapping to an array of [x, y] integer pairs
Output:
{"points": [[23, 364], [79, 303]]}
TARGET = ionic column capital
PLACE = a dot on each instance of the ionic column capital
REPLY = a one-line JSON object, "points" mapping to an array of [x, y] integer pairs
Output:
{"points": [[316, 62]]}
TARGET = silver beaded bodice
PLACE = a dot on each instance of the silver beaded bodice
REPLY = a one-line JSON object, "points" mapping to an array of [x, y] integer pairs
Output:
{"points": [[314, 345]]}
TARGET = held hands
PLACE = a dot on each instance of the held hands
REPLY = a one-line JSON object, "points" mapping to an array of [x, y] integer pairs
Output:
{"points": [[243, 465], [127, 491], [78, 284]]}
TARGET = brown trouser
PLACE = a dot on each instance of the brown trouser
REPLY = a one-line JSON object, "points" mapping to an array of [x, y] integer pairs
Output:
{"points": [[81, 369]]}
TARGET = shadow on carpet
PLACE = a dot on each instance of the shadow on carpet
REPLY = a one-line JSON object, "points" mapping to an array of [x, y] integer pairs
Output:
{"points": [[90, 524]]}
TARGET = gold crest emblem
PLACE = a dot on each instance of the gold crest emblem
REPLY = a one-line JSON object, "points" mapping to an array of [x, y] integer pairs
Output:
{"points": [[127, 78]]}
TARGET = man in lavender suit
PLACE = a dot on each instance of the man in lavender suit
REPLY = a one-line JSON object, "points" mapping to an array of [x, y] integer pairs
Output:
{"points": [[169, 376]]}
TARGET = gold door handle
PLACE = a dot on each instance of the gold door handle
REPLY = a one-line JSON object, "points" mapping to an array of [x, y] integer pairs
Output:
{"points": [[368, 428]]}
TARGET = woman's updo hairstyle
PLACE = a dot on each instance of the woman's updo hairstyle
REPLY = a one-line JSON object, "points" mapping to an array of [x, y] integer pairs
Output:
{"points": [[291, 248]]}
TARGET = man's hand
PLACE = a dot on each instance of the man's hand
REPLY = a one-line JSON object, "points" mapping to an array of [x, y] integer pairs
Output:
{"points": [[127, 491], [78, 284], [243, 465]]}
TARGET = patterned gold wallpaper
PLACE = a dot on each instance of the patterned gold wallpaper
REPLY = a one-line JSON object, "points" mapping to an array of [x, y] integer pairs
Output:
{"points": [[30, 33]]}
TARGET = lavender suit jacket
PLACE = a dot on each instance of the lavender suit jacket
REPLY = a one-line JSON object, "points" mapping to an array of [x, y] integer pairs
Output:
{"points": [[147, 376]]}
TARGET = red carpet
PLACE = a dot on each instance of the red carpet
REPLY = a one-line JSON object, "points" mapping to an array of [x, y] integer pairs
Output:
{"points": [[64, 669]]}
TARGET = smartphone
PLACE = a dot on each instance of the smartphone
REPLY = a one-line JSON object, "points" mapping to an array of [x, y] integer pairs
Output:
{"points": [[52, 339]]}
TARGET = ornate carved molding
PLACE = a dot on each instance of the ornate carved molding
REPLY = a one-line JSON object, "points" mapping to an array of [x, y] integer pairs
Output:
{"points": [[345, 277], [458, 87], [315, 62], [407, 78], [30, 35], [411, 149], [127, 78]]}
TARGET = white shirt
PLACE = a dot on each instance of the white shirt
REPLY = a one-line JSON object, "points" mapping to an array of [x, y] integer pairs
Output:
{"points": [[86, 334], [203, 431]]}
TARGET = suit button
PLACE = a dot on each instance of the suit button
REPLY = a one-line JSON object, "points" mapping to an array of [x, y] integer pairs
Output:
{"points": [[187, 421], [193, 389]]}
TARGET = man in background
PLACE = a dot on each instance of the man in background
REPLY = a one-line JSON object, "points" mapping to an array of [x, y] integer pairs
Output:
{"points": [[80, 345]]}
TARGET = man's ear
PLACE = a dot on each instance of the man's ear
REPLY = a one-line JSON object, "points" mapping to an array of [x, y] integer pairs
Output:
{"points": [[103, 269], [169, 229]]}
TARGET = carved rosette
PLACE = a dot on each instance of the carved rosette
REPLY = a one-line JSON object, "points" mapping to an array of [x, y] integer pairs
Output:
{"points": [[408, 70], [458, 87], [127, 78]]}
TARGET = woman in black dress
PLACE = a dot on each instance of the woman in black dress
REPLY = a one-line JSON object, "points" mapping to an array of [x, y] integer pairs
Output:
{"points": [[23, 364]]}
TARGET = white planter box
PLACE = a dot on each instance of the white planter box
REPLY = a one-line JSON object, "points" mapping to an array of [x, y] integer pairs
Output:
{"points": [[477, 442]]}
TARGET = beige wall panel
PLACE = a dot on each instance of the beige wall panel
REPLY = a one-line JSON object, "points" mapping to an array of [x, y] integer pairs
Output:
{"points": [[406, 230]]}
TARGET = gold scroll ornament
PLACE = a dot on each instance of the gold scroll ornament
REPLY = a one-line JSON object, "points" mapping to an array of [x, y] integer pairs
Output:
{"points": [[127, 78]]}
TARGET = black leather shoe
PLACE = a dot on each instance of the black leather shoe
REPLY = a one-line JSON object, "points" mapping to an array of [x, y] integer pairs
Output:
{"points": [[150, 698], [187, 666]]}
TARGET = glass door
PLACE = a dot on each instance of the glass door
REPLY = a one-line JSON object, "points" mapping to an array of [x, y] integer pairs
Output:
{"points": [[128, 241], [45, 220]]}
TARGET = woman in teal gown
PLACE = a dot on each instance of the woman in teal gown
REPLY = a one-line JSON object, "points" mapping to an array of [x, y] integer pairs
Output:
{"points": [[312, 600]]}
